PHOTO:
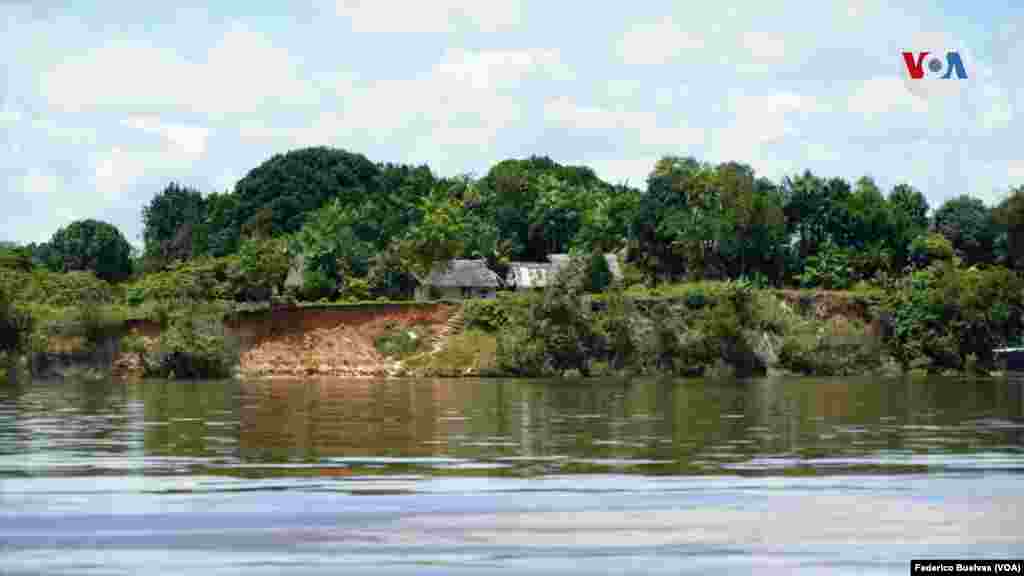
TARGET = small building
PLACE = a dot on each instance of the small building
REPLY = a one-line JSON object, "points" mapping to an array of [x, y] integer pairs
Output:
{"points": [[532, 275], [528, 275], [459, 279]]}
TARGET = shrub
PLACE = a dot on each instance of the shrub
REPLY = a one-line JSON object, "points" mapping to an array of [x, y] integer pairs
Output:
{"points": [[317, 284], [194, 346], [945, 313], [928, 248], [599, 275], [830, 269], [401, 341], [558, 333], [54, 289], [356, 289], [833, 347], [15, 326], [202, 279]]}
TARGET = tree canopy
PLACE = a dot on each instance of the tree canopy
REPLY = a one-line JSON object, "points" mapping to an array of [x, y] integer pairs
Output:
{"points": [[91, 245]]}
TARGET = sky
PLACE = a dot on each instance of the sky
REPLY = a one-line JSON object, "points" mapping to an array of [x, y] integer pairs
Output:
{"points": [[103, 104]]}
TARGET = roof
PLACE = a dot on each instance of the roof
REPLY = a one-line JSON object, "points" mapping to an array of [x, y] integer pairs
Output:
{"points": [[460, 273]]}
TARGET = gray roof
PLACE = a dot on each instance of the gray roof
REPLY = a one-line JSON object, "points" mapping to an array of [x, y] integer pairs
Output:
{"points": [[460, 273]]}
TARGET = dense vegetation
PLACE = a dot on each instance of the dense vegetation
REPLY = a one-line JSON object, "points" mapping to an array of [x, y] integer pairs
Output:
{"points": [[367, 230]]}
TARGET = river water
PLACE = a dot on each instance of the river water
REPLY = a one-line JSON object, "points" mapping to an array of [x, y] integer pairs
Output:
{"points": [[435, 476]]}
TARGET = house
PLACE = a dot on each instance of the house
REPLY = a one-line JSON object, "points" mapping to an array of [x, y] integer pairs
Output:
{"points": [[531, 275], [528, 275], [459, 279]]}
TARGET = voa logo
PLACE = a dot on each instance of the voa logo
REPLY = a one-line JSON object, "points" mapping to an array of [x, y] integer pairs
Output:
{"points": [[926, 65]]}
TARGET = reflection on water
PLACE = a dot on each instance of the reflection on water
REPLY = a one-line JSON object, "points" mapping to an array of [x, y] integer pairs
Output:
{"points": [[509, 426]]}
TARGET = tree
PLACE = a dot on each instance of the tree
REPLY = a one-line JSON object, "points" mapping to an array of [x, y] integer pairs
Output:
{"points": [[174, 224], [909, 211], [599, 275], [331, 246], [264, 263], [221, 236], [16, 257], [1010, 217], [969, 226], [538, 203], [91, 245], [438, 237], [15, 325], [290, 186]]}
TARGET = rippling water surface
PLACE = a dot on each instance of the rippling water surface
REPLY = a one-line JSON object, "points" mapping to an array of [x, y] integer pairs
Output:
{"points": [[421, 476]]}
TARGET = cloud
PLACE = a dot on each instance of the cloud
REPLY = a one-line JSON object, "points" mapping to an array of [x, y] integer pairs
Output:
{"points": [[115, 171], [411, 16], [242, 73], [641, 127], [883, 95], [766, 48], [658, 42], [188, 140]]}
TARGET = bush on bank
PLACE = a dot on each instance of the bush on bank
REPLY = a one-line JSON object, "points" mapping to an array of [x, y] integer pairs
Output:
{"points": [[944, 315], [194, 345]]}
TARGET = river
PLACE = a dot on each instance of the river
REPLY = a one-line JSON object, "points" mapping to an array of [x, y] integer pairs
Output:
{"points": [[463, 476]]}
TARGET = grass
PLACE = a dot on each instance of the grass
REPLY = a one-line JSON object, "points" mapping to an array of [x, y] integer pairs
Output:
{"points": [[473, 350]]}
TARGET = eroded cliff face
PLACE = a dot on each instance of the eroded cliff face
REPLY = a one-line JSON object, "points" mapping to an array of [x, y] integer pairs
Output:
{"points": [[303, 342], [336, 342]]}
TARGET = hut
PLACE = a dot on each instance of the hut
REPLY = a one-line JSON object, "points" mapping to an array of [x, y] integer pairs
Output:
{"points": [[457, 279]]}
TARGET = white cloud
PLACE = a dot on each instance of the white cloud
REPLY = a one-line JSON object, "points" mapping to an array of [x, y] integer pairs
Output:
{"points": [[410, 16], [644, 127], [1015, 172], [243, 73], [631, 170], [768, 118], [657, 42], [115, 171], [882, 95], [765, 47], [188, 140]]}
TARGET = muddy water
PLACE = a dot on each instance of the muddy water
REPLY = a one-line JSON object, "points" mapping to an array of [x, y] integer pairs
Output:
{"points": [[508, 476]]}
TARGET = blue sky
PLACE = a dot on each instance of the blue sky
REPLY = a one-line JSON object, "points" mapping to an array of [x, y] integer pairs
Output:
{"points": [[104, 104]]}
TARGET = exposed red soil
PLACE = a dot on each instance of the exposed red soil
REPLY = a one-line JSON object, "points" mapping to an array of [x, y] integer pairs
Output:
{"points": [[325, 342]]}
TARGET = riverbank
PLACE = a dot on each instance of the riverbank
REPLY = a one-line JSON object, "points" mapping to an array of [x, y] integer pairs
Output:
{"points": [[707, 328]]}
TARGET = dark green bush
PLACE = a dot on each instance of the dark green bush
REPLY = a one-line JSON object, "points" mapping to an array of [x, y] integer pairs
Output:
{"points": [[193, 347], [202, 279], [945, 313], [15, 325], [401, 341]]}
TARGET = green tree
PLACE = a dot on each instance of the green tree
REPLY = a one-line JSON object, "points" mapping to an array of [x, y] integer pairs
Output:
{"points": [[909, 211], [15, 325], [526, 198], [970, 226], [329, 242], [91, 245], [599, 275], [264, 263], [289, 186], [438, 236], [174, 225], [1010, 217]]}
